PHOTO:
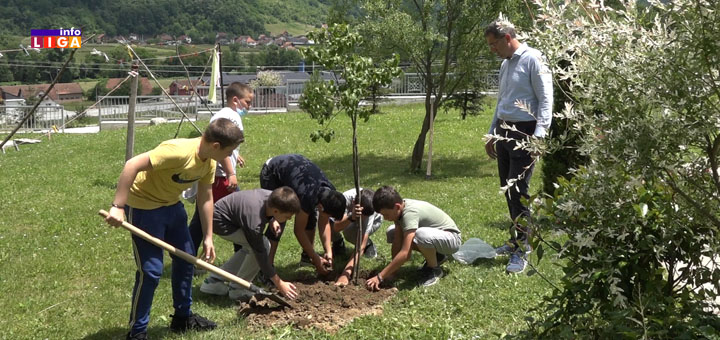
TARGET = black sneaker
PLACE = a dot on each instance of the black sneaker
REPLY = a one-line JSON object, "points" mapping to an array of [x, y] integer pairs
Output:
{"points": [[338, 247], [370, 250], [430, 276], [440, 260], [305, 260], [193, 322], [136, 336]]}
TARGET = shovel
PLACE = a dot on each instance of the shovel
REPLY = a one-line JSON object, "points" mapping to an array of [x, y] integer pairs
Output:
{"points": [[259, 292]]}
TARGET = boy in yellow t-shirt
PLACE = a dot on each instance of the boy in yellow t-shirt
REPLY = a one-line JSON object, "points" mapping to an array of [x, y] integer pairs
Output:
{"points": [[149, 188]]}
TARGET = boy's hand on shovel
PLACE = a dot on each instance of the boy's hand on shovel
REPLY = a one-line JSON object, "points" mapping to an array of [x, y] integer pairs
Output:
{"points": [[115, 217]]}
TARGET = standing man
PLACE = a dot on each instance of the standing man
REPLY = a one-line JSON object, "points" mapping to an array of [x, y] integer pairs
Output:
{"points": [[524, 79]]}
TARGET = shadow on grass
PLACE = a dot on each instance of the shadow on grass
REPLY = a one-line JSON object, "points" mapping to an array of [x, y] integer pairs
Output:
{"points": [[389, 170], [119, 333], [211, 300]]}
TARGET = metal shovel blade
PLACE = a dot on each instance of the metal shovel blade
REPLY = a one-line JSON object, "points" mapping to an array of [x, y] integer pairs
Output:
{"points": [[261, 294]]}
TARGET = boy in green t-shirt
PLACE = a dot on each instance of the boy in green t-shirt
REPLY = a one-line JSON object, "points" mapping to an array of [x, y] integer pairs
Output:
{"points": [[419, 226], [149, 190]]}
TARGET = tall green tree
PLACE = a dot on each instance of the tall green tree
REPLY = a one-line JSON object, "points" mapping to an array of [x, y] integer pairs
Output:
{"points": [[442, 39], [355, 75]]}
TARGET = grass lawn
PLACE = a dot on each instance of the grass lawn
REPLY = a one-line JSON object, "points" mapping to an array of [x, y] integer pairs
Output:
{"points": [[65, 274]]}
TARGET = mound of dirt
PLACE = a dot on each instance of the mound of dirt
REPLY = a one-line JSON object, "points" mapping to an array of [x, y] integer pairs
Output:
{"points": [[320, 304]]}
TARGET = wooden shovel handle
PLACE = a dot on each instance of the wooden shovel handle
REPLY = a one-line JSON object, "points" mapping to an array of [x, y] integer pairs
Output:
{"points": [[183, 255]]}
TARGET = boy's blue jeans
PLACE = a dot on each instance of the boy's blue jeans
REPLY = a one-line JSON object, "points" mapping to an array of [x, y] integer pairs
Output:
{"points": [[170, 225]]}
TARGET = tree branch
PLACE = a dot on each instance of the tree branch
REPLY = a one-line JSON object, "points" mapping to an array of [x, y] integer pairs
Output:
{"points": [[698, 207]]}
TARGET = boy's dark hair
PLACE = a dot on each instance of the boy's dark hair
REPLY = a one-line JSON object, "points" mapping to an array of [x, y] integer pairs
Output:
{"points": [[237, 89], [366, 201], [224, 132], [385, 198], [499, 28], [333, 203], [285, 200]]}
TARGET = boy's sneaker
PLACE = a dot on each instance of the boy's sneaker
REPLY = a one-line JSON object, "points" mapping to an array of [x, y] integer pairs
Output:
{"points": [[338, 247], [213, 286], [240, 294], [506, 249], [509, 248], [370, 250], [517, 262], [440, 260], [305, 260], [136, 336], [430, 276], [193, 322]]}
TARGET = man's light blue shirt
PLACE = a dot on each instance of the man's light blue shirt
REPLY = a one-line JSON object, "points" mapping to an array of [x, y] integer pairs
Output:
{"points": [[525, 77]]}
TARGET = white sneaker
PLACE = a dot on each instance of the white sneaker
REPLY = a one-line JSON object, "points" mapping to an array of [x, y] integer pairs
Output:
{"points": [[214, 287], [240, 293]]}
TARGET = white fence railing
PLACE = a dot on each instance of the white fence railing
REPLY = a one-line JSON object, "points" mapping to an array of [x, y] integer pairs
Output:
{"points": [[147, 107], [266, 98], [44, 118]]}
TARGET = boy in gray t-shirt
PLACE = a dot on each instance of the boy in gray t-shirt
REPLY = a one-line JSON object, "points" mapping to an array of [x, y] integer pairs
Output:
{"points": [[419, 226], [369, 221], [241, 218]]}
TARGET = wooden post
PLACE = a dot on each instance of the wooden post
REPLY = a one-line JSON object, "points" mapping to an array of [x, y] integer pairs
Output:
{"points": [[428, 173], [130, 145]]}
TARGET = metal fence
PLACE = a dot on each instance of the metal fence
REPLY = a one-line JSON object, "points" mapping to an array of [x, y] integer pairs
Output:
{"points": [[270, 98], [148, 107], [266, 98], [44, 118]]}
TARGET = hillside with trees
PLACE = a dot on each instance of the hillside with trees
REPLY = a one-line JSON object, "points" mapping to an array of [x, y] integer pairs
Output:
{"points": [[199, 19]]}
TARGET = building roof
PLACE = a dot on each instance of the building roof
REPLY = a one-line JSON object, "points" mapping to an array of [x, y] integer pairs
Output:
{"points": [[28, 91], [68, 88], [145, 87], [8, 96], [185, 82], [231, 78]]}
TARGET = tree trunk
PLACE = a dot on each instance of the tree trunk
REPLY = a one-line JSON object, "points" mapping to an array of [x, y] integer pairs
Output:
{"points": [[419, 149]]}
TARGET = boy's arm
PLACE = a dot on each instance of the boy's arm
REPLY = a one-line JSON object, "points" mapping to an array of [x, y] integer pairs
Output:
{"points": [[301, 220], [344, 277], [286, 288], [325, 234], [338, 226], [230, 172], [399, 258], [397, 241], [347, 220], [136, 164], [205, 204]]}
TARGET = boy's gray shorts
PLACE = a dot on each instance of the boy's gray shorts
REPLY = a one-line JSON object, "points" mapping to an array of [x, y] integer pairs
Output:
{"points": [[444, 242]]}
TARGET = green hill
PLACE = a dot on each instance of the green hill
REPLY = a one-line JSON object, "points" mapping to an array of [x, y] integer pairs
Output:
{"points": [[199, 19]]}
